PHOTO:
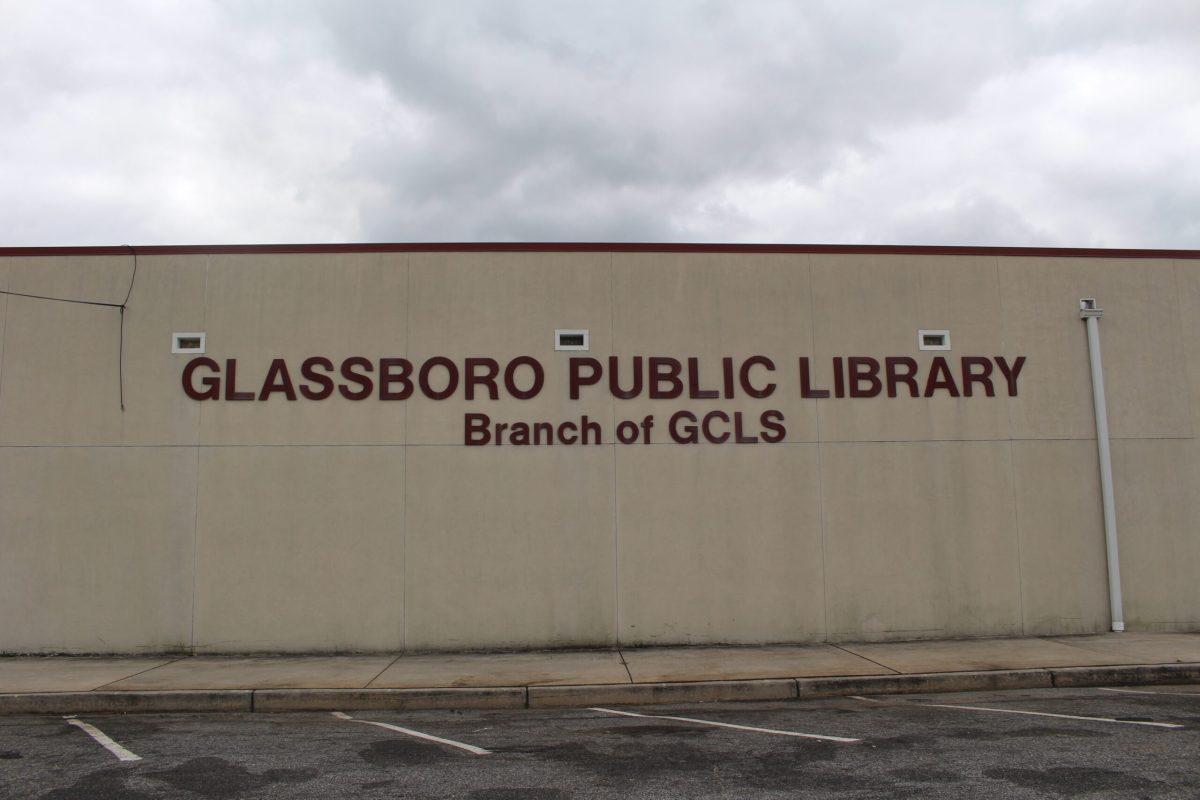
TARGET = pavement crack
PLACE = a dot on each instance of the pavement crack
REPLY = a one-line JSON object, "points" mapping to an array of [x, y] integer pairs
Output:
{"points": [[624, 664], [141, 672], [385, 669], [864, 658]]}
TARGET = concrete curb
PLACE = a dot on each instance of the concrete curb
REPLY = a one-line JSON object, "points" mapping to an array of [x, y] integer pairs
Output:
{"points": [[651, 693], [932, 682], [1140, 675], [514, 697], [410, 699], [125, 702]]}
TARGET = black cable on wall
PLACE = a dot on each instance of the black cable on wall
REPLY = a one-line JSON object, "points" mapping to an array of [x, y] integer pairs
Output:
{"points": [[120, 308]]}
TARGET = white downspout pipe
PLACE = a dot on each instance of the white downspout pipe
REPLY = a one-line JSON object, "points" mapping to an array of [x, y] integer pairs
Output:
{"points": [[1090, 313]]}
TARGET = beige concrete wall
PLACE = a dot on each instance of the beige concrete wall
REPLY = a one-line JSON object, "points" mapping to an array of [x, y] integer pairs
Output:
{"points": [[340, 525]]}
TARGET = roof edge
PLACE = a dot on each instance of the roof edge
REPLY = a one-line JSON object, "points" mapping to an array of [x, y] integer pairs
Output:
{"points": [[597, 247]]}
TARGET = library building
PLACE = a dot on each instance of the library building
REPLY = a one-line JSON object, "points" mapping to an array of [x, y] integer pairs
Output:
{"points": [[470, 447]]}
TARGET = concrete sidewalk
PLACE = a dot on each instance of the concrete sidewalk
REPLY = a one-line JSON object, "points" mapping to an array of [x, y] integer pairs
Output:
{"points": [[63, 684]]}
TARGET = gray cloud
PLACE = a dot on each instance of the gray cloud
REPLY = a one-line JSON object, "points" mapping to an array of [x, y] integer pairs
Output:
{"points": [[1069, 123]]}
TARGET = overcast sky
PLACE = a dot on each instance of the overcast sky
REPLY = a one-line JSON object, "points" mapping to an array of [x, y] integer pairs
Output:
{"points": [[1065, 122]]}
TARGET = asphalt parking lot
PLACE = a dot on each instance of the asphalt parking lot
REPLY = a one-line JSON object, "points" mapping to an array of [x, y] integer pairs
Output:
{"points": [[1095, 743]]}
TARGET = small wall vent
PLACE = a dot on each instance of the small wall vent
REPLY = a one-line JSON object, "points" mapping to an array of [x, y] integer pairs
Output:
{"points": [[187, 342], [933, 340], [570, 339]]}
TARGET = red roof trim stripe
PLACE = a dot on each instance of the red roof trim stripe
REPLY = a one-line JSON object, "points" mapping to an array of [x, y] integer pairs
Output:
{"points": [[597, 247]]}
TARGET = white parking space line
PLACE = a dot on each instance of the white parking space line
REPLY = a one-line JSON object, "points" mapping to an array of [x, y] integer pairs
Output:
{"points": [[470, 748], [841, 739], [1137, 691], [1047, 714], [104, 740]]}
